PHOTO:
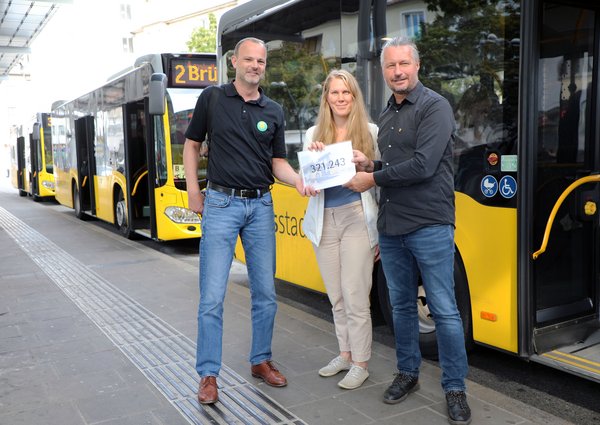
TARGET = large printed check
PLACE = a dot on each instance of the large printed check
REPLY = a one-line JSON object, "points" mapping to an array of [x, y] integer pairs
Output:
{"points": [[330, 167]]}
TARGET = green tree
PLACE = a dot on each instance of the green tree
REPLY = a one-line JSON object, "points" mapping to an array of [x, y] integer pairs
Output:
{"points": [[470, 43], [204, 40]]}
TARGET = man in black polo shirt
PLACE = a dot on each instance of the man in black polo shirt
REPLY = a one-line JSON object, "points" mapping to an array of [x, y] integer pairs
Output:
{"points": [[247, 148], [416, 223]]}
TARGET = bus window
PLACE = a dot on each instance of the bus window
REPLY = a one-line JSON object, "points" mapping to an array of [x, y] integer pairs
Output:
{"points": [[47, 143], [160, 151], [38, 148], [100, 151], [115, 139], [181, 104]]}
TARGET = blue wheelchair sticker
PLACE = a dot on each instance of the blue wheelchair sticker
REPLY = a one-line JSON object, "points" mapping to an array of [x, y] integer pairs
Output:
{"points": [[489, 186], [508, 187]]}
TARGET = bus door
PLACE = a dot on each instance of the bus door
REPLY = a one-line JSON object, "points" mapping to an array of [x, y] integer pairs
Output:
{"points": [[566, 190], [152, 177], [36, 161], [83, 195], [140, 214], [21, 166]]}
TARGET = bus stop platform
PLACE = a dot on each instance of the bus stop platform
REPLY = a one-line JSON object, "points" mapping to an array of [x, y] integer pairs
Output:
{"points": [[97, 329]]}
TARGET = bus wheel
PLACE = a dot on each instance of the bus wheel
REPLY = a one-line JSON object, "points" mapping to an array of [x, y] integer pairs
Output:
{"points": [[77, 204], [427, 335], [427, 332], [121, 220], [384, 299], [463, 300]]}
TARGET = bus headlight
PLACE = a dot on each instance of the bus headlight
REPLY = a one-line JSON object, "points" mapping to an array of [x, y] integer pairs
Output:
{"points": [[48, 184], [182, 215]]}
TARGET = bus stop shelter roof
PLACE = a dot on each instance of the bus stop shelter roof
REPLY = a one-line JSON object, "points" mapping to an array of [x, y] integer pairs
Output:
{"points": [[21, 21]]}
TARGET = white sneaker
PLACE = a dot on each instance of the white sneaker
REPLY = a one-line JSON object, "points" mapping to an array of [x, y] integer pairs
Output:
{"points": [[354, 378], [335, 366]]}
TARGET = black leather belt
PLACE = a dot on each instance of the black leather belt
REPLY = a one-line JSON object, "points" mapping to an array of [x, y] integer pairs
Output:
{"points": [[240, 193]]}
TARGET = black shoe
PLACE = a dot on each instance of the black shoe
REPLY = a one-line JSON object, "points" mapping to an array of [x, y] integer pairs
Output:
{"points": [[399, 389], [459, 412]]}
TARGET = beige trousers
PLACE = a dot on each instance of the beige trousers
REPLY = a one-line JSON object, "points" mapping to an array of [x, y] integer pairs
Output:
{"points": [[346, 264]]}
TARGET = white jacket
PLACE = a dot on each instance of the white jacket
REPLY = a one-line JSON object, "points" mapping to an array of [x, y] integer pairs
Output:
{"points": [[313, 218]]}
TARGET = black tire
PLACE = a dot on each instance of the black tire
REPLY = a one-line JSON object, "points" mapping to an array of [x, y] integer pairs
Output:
{"points": [[121, 215], [378, 311], [384, 297], [463, 301], [77, 204], [427, 333]]}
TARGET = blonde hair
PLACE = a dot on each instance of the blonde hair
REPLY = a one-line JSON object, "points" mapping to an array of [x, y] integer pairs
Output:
{"points": [[358, 120]]}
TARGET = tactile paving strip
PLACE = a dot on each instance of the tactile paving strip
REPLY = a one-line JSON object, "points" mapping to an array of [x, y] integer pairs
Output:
{"points": [[165, 356]]}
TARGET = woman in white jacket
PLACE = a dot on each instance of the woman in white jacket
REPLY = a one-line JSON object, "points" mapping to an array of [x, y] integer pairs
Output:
{"points": [[342, 226]]}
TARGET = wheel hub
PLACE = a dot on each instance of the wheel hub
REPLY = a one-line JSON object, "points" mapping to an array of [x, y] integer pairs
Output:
{"points": [[426, 323], [121, 213]]}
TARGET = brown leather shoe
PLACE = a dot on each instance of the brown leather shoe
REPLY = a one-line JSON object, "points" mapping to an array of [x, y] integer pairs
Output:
{"points": [[269, 373], [208, 392]]}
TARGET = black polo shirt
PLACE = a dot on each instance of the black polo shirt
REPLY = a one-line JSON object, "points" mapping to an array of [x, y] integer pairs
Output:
{"points": [[416, 169], [246, 136]]}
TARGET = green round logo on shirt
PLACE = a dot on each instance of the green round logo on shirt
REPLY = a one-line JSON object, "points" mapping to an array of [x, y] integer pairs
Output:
{"points": [[262, 126]]}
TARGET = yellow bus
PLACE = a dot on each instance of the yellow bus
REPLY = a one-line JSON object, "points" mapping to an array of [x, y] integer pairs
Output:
{"points": [[116, 161], [31, 159], [523, 79]]}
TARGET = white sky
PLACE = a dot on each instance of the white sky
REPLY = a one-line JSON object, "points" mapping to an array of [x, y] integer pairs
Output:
{"points": [[80, 48], [75, 52]]}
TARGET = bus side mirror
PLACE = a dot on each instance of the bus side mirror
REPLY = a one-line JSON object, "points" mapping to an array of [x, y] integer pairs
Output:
{"points": [[36, 132], [158, 89]]}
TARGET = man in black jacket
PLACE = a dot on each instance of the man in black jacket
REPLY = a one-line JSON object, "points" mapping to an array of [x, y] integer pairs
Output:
{"points": [[416, 223]]}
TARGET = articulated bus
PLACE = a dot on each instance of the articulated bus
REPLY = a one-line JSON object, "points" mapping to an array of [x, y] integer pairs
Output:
{"points": [[31, 160], [523, 80], [116, 161]]}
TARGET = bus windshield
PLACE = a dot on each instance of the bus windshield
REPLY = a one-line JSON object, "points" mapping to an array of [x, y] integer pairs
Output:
{"points": [[181, 104], [48, 149]]}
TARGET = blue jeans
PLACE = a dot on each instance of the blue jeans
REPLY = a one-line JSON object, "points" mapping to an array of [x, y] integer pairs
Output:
{"points": [[223, 219], [430, 251]]}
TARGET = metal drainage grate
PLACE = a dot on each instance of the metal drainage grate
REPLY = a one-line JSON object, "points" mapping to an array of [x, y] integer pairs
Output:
{"points": [[164, 355]]}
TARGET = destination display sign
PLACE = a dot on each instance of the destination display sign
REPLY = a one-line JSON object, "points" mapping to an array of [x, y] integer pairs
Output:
{"points": [[192, 72]]}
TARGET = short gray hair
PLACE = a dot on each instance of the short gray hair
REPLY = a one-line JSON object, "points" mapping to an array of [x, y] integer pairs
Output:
{"points": [[236, 50], [401, 41]]}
